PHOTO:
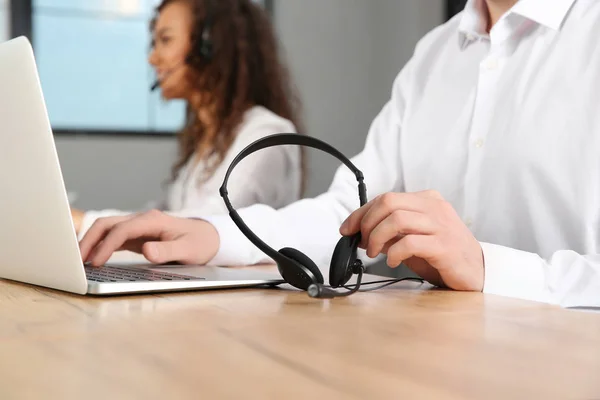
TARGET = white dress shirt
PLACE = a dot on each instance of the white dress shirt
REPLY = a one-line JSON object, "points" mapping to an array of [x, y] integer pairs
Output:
{"points": [[506, 126], [271, 176]]}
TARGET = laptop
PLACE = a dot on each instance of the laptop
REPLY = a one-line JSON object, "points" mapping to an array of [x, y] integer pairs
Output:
{"points": [[38, 243]]}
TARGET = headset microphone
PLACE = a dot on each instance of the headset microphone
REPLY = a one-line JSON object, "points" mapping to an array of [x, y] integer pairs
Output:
{"points": [[320, 291], [157, 83]]}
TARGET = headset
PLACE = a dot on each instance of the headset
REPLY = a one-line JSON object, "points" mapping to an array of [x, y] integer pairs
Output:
{"points": [[295, 267], [203, 45]]}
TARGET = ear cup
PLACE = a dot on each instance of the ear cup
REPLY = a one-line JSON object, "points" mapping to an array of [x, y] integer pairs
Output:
{"points": [[206, 50], [301, 272], [343, 257]]}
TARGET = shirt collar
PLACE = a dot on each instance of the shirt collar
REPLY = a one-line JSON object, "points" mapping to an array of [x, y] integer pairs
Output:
{"points": [[473, 20], [550, 13]]}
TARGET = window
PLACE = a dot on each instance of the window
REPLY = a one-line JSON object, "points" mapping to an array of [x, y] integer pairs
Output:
{"points": [[92, 62]]}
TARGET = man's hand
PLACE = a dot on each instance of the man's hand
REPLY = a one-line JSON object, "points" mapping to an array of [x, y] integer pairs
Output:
{"points": [[159, 237], [424, 231]]}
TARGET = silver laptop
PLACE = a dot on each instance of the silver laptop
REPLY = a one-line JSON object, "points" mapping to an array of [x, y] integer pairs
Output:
{"points": [[38, 244]]}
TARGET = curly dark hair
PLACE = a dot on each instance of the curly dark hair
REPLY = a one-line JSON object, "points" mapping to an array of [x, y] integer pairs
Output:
{"points": [[245, 71]]}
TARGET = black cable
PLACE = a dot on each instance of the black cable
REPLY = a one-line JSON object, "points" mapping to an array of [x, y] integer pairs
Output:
{"points": [[352, 287], [356, 286], [386, 282]]}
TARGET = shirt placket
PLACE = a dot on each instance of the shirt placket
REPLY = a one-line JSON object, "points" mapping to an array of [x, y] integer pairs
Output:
{"points": [[490, 70]]}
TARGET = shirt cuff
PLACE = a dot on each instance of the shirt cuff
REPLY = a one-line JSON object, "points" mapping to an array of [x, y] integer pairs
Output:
{"points": [[514, 273]]}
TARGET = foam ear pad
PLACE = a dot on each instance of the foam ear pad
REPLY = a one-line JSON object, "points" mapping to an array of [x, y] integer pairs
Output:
{"points": [[206, 49], [344, 255], [302, 272]]}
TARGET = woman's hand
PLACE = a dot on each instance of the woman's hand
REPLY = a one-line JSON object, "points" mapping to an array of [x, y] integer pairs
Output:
{"points": [[159, 237]]}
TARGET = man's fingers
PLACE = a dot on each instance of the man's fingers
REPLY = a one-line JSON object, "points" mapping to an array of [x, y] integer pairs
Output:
{"points": [[352, 224], [388, 204], [422, 246], [431, 194], [369, 215], [398, 224]]}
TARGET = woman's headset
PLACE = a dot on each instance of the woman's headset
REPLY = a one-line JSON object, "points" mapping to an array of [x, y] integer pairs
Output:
{"points": [[204, 44], [295, 267]]}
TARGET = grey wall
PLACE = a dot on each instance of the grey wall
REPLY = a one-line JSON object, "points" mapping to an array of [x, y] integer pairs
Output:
{"points": [[344, 55], [112, 172], [332, 50]]}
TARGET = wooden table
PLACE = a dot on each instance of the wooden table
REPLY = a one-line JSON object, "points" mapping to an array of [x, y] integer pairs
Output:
{"points": [[403, 342]]}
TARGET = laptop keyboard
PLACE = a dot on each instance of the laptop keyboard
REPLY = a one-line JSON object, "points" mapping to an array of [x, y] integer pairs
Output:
{"points": [[128, 274]]}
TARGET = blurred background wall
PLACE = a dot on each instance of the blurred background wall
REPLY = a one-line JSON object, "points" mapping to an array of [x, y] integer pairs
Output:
{"points": [[116, 140], [344, 55]]}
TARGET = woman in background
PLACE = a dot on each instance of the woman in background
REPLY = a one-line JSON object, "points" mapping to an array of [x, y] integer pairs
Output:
{"points": [[221, 57]]}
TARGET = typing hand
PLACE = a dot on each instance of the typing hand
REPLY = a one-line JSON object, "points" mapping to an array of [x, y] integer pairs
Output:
{"points": [[159, 237], [423, 231]]}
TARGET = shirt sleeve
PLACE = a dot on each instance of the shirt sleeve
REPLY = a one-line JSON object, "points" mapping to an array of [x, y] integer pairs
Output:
{"points": [[312, 225], [567, 279]]}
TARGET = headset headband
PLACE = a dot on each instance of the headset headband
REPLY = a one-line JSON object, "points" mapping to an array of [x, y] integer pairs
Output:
{"points": [[279, 140]]}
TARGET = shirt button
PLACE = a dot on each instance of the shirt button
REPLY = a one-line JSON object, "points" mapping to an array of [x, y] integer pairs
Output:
{"points": [[490, 64], [479, 143], [468, 222]]}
